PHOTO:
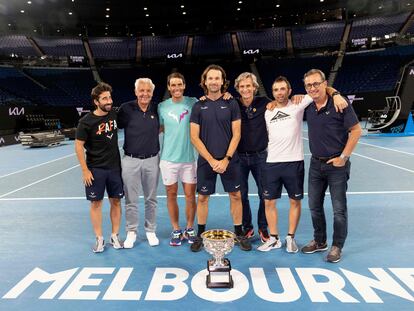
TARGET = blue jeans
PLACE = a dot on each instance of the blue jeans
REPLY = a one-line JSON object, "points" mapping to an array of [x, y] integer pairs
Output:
{"points": [[322, 175], [253, 163]]}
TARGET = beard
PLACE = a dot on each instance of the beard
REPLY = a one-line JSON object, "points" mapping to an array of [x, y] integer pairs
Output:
{"points": [[106, 107]]}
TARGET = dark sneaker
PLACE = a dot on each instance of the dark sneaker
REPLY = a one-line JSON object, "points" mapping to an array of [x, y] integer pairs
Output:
{"points": [[313, 247], [271, 243], [99, 245], [334, 254], [264, 235], [190, 235], [243, 242], [197, 244], [176, 237], [248, 233], [116, 243]]}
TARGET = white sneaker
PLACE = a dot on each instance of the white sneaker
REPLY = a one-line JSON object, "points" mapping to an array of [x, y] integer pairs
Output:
{"points": [[116, 243], [130, 239], [270, 244], [99, 245], [291, 246], [152, 239]]}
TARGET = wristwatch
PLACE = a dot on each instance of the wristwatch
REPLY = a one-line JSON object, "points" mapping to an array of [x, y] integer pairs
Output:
{"points": [[344, 157], [335, 93], [228, 157]]}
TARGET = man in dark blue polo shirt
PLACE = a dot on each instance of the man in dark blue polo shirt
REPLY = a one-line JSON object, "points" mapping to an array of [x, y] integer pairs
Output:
{"points": [[332, 138], [252, 149], [140, 161], [215, 133]]}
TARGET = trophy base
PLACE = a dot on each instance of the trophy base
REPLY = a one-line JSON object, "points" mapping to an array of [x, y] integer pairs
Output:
{"points": [[216, 284], [219, 276]]}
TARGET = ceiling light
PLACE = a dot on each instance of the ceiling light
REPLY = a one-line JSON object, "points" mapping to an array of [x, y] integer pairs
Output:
{"points": [[108, 9], [107, 15], [147, 15], [145, 9], [21, 11], [29, 2], [240, 2], [70, 13], [278, 5], [238, 9], [184, 13], [182, 6], [58, 30]]}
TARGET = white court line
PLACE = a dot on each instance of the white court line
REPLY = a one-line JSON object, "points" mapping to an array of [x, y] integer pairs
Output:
{"points": [[213, 195], [371, 145], [382, 162], [37, 165], [385, 148], [44, 163], [379, 161], [38, 181]]}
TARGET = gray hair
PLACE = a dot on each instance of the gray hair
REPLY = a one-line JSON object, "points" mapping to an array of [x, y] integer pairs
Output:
{"points": [[246, 75], [314, 71], [145, 81]]}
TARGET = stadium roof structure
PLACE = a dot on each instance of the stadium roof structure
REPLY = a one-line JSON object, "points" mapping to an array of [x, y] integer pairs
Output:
{"points": [[159, 17]]}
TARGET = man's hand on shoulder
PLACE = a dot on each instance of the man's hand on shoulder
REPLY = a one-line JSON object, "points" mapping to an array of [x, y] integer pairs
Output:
{"points": [[227, 96], [271, 106], [296, 99], [340, 103]]}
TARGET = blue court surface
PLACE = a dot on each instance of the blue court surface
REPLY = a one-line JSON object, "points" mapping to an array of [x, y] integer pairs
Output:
{"points": [[46, 262]]}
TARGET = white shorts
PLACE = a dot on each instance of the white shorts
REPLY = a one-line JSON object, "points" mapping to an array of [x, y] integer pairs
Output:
{"points": [[171, 172]]}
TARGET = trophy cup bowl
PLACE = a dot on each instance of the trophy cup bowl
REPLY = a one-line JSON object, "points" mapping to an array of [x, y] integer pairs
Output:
{"points": [[218, 243]]}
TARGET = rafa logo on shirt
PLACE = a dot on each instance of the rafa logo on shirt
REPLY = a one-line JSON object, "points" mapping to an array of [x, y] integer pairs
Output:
{"points": [[107, 127]]}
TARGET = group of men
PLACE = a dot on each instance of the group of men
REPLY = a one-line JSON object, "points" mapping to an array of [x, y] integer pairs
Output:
{"points": [[233, 137]]}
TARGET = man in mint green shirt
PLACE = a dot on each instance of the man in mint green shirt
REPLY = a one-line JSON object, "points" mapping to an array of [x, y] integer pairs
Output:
{"points": [[177, 156]]}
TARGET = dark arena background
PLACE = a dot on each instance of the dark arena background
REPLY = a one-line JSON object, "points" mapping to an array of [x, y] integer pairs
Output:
{"points": [[53, 52]]}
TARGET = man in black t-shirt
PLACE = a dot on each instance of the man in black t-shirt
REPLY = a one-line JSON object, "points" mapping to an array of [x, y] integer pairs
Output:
{"points": [[215, 133], [97, 134]]}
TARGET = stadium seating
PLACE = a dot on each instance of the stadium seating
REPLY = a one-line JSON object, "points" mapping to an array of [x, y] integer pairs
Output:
{"points": [[215, 44], [61, 46], [159, 47], [372, 71], [377, 26], [16, 44], [318, 35], [113, 48], [267, 40], [72, 85]]}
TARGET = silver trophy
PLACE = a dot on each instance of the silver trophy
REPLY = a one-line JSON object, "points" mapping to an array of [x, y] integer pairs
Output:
{"points": [[218, 243]]}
